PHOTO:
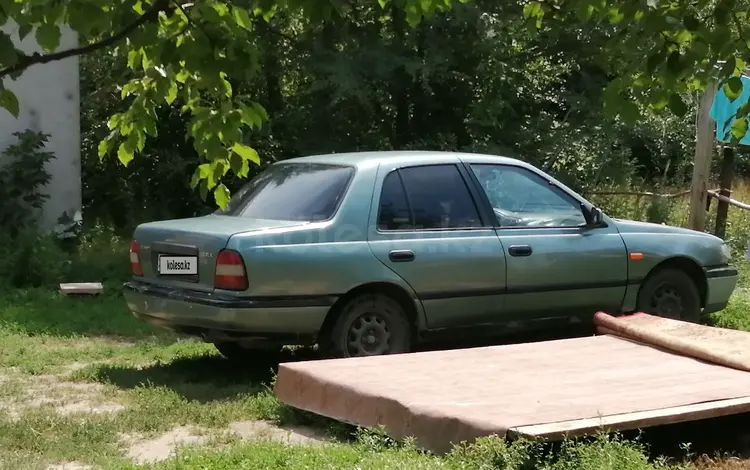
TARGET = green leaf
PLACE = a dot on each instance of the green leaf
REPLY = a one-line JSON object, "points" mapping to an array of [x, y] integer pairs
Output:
{"points": [[674, 64], [250, 117], [659, 99], [691, 22], [226, 85], [48, 36], [239, 166], [630, 112], [85, 16], [721, 13], [729, 67], [221, 195], [8, 52], [9, 101], [140, 139], [203, 189], [126, 151], [654, 60], [134, 58], [584, 10], [103, 148], [739, 128], [677, 105], [24, 31], [247, 153], [182, 76], [261, 111], [171, 92], [533, 10], [733, 88], [242, 18], [739, 66]]}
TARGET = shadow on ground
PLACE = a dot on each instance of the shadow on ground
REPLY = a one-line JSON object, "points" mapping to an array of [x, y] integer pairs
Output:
{"points": [[203, 378]]}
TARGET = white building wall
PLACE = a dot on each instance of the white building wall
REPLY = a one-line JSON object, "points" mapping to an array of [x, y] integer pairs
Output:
{"points": [[49, 96]]}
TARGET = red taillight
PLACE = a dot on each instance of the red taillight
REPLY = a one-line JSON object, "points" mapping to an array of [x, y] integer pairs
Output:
{"points": [[230, 271], [135, 259]]}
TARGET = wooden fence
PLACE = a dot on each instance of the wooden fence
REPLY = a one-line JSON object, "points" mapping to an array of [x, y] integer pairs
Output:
{"points": [[721, 195]]}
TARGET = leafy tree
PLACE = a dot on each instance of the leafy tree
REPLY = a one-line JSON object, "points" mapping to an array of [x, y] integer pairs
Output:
{"points": [[194, 55], [373, 75], [661, 51]]}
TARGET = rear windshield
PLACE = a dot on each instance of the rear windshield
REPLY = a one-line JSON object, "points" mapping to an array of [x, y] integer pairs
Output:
{"points": [[292, 191]]}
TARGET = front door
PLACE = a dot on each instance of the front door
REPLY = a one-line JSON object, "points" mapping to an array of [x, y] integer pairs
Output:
{"points": [[556, 265], [425, 225]]}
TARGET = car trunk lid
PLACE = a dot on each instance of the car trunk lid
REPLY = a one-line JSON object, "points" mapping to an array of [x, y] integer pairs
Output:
{"points": [[182, 252]]}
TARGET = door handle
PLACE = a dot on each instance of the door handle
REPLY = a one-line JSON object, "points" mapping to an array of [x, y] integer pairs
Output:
{"points": [[401, 256], [519, 250]]}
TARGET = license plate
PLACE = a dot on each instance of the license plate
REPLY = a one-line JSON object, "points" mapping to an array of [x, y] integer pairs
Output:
{"points": [[178, 265]]}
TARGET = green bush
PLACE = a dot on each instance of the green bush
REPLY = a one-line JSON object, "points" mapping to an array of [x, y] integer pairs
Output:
{"points": [[603, 452]]}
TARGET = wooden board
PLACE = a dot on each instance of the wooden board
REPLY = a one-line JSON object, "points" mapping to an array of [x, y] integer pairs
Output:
{"points": [[545, 389], [82, 288], [628, 421]]}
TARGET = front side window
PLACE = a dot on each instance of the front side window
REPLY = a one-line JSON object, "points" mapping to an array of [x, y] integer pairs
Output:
{"points": [[427, 198], [521, 198], [292, 191]]}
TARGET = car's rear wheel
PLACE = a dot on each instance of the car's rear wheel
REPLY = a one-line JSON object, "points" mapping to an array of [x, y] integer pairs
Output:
{"points": [[235, 352], [371, 325], [670, 293]]}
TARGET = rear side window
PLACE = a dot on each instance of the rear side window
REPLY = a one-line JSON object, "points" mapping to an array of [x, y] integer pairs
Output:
{"points": [[293, 191], [427, 198], [394, 213]]}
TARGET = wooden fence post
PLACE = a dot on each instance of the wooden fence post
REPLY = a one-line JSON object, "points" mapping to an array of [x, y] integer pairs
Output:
{"points": [[704, 142], [725, 182]]}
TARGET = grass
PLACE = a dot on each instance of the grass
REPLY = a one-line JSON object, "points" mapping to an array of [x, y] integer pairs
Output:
{"points": [[82, 381]]}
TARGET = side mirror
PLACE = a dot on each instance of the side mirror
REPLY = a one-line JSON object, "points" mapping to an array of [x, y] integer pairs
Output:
{"points": [[593, 216], [596, 216]]}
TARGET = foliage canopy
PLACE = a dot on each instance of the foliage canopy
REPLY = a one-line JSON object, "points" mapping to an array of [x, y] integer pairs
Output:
{"points": [[197, 57]]}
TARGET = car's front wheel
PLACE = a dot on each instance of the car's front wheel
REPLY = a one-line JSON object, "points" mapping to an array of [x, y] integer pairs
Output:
{"points": [[371, 325], [670, 293]]}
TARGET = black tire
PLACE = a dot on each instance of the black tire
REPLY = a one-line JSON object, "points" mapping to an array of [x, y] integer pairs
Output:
{"points": [[371, 325], [670, 293], [235, 352]]}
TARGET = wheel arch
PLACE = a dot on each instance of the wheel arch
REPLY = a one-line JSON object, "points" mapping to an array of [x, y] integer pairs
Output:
{"points": [[690, 267], [407, 301]]}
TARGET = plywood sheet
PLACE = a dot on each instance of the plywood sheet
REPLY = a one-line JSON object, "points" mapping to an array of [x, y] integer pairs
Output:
{"points": [[445, 397], [723, 346]]}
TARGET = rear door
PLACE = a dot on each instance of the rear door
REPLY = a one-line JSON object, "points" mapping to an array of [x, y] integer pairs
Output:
{"points": [[557, 267], [425, 225]]}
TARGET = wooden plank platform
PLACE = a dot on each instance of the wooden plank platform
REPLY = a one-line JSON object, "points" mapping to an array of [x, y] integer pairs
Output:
{"points": [[543, 390]]}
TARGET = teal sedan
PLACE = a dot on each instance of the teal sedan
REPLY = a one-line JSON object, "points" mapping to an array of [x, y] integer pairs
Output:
{"points": [[371, 253]]}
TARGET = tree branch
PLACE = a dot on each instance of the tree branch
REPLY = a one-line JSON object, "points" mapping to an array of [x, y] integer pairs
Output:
{"points": [[27, 61]]}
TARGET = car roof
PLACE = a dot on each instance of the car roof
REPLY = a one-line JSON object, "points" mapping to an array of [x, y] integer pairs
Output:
{"points": [[400, 157]]}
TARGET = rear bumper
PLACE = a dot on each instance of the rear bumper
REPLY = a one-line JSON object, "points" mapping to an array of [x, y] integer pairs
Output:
{"points": [[286, 320], [721, 281]]}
